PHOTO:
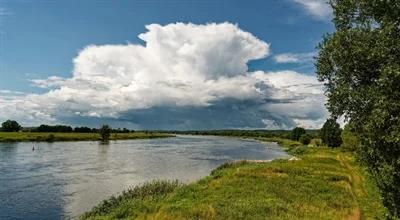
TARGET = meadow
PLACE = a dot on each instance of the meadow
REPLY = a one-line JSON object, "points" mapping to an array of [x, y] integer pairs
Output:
{"points": [[73, 136], [318, 183]]}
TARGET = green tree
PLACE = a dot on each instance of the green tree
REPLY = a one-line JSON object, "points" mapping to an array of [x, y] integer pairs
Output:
{"points": [[10, 126], [360, 66], [104, 132], [330, 133], [351, 141], [296, 133], [305, 139]]}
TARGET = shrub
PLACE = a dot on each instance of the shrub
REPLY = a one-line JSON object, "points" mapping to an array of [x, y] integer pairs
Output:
{"points": [[50, 138], [296, 133], [317, 142], [305, 139], [104, 132], [350, 139]]}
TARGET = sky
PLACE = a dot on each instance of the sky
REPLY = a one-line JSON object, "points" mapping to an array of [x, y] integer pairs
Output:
{"points": [[170, 64]]}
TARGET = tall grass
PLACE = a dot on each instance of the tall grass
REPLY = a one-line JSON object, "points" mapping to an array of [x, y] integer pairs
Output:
{"points": [[154, 190], [323, 184]]}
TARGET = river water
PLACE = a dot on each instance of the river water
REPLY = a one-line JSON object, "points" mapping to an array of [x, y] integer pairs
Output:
{"points": [[62, 180]]}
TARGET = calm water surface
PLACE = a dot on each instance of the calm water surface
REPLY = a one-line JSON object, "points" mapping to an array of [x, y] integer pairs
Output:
{"points": [[64, 179]]}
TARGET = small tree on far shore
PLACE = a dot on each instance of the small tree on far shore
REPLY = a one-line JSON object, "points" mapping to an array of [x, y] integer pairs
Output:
{"points": [[104, 132], [331, 133], [10, 126], [296, 133]]}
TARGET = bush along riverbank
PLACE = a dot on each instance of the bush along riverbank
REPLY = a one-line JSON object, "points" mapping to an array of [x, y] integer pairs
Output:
{"points": [[320, 183], [72, 136]]}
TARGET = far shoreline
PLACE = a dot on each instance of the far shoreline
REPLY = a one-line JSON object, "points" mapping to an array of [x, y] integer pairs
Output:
{"points": [[13, 137]]}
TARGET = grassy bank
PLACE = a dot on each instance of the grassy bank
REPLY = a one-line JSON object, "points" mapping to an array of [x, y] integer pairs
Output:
{"points": [[44, 136], [322, 184]]}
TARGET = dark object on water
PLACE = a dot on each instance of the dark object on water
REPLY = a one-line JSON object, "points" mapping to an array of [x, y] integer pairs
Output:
{"points": [[33, 148]]}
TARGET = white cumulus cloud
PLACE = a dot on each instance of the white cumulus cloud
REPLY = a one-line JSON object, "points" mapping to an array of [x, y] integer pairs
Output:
{"points": [[318, 8], [294, 57], [180, 66], [52, 81]]}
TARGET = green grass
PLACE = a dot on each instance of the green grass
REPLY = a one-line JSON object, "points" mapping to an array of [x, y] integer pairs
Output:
{"points": [[44, 136], [323, 184]]}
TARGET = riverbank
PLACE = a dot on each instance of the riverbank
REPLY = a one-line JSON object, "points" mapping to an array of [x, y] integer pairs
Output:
{"points": [[51, 137], [321, 183]]}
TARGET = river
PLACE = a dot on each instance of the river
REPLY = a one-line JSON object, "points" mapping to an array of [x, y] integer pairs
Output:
{"points": [[62, 180]]}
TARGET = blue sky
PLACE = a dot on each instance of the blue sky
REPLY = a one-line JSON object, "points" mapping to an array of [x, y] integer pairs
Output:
{"points": [[41, 38]]}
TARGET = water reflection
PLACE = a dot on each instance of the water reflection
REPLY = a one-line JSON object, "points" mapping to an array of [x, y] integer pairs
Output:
{"points": [[64, 179], [9, 148]]}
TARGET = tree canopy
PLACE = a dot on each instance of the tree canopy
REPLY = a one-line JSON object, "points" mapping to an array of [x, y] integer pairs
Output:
{"points": [[305, 139], [351, 141], [331, 133], [360, 66], [296, 133], [10, 126], [54, 128]]}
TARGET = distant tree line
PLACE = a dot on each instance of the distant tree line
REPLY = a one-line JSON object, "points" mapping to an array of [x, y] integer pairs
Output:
{"points": [[242, 133], [13, 126], [66, 128], [85, 130], [54, 128]]}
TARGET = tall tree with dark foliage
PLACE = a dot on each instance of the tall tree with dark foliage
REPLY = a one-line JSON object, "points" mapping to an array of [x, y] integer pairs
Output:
{"points": [[10, 126], [360, 66], [296, 133], [331, 133]]}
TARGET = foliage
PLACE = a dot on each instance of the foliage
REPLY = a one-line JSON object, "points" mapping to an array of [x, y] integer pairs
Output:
{"points": [[50, 138], [323, 184], [10, 126], [296, 133], [84, 130], [316, 142], [55, 128], [119, 130], [360, 67], [330, 133], [67, 128], [305, 139], [104, 132], [351, 141]]}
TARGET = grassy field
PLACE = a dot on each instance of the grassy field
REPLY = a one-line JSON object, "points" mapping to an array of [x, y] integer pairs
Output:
{"points": [[43, 136], [322, 184]]}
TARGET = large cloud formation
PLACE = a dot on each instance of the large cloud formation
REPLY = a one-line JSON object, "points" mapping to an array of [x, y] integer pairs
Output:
{"points": [[184, 76]]}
